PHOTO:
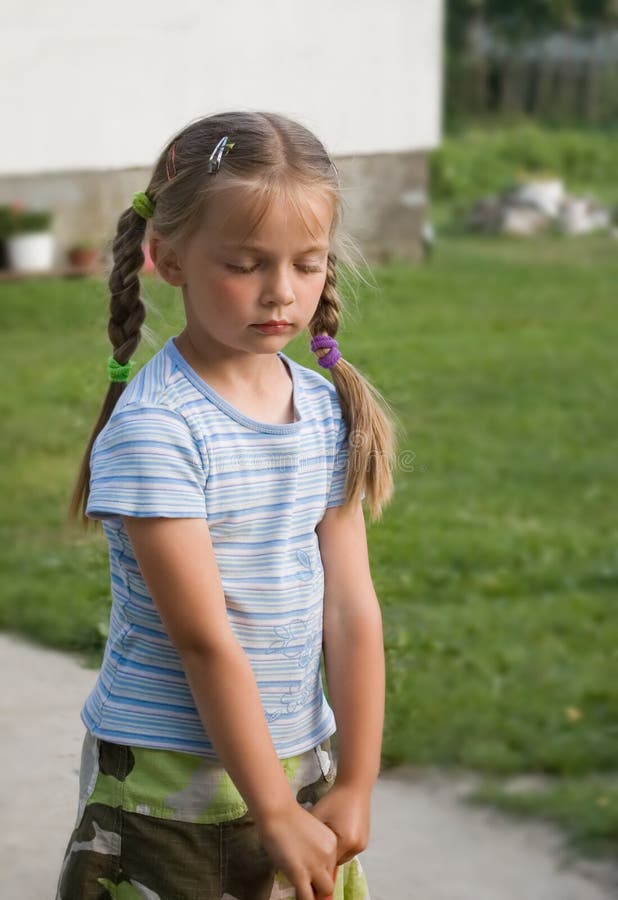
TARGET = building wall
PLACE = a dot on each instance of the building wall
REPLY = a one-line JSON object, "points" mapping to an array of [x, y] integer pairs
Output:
{"points": [[99, 94], [384, 205]]}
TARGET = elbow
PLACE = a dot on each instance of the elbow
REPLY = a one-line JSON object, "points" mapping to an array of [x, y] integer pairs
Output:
{"points": [[199, 645], [355, 620]]}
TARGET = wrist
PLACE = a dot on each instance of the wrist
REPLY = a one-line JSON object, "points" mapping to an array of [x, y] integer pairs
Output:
{"points": [[358, 781], [278, 807]]}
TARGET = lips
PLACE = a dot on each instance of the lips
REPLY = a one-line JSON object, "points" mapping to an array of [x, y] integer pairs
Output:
{"points": [[274, 322], [271, 327]]}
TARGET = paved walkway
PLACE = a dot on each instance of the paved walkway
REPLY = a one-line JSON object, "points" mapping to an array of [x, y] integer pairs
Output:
{"points": [[425, 843]]}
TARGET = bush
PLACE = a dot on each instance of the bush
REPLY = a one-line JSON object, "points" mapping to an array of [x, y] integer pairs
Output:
{"points": [[7, 221], [16, 219], [30, 220], [481, 161]]}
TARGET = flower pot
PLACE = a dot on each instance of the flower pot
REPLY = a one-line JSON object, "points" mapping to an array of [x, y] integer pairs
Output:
{"points": [[31, 252], [87, 259]]}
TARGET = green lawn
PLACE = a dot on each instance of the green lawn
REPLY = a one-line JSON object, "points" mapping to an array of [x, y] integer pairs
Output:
{"points": [[496, 564]]}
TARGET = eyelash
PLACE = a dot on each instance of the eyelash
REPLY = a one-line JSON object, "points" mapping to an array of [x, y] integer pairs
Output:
{"points": [[241, 270]]}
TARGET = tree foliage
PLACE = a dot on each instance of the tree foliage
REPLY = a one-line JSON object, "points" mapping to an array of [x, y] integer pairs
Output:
{"points": [[526, 16]]}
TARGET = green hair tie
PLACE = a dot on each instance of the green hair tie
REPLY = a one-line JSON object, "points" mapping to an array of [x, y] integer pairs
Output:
{"points": [[118, 372], [143, 205]]}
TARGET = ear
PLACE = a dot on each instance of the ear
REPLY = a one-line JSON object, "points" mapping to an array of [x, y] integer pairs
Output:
{"points": [[166, 260]]}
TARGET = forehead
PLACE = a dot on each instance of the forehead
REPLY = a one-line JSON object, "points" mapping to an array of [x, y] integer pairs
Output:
{"points": [[242, 215]]}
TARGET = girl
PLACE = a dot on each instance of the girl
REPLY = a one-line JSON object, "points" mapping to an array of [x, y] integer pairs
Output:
{"points": [[229, 481]]}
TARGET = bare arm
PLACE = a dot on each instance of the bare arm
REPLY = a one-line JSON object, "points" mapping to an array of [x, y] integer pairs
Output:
{"points": [[177, 561], [353, 646], [354, 662]]}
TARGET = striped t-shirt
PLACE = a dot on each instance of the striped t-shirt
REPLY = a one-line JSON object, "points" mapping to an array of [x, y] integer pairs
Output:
{"points": [[174, 447]]}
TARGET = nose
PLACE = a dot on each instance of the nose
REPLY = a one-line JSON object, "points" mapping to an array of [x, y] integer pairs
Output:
{"points": [[278, 288]]}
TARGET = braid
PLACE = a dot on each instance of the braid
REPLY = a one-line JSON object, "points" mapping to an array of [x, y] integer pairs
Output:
{"points": [[127, 314], [326, 317], [127, 311], [371, 440]]}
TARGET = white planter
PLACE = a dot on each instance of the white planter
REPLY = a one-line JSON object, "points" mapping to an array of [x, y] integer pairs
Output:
{"points": [[546, 195], [33, 252]]}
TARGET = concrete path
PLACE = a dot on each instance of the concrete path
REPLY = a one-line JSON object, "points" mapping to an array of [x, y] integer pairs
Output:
{"points": [[425, 843]]}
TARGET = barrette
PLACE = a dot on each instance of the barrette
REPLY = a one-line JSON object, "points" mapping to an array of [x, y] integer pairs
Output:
{"points": [[223, 146]]}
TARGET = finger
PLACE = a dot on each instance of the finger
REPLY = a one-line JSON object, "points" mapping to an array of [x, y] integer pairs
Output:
{"points": [[328, 896], [323, 893], [303, 890]]}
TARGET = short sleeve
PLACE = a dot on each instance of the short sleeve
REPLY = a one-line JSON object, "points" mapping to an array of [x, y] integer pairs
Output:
{"points": [[146, 462], [336, 494]]}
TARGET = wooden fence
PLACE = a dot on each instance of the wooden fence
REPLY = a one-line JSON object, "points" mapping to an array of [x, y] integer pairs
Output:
{"points": [[561, 77]]}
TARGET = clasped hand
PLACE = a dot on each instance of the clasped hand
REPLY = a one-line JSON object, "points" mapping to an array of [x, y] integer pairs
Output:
{"points": [[346, 810], [306, 844]]}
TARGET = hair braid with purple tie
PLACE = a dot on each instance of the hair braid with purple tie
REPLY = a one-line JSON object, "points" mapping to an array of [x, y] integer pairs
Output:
{"points": [[323, 341]]}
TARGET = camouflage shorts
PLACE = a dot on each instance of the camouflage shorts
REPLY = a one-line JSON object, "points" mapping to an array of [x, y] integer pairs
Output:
{"points": [[163, 825]]}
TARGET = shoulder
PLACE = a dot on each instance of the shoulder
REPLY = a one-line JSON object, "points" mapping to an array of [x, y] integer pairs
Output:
{"points": [[146, 462], [149, 421], [158, 382], [157, 397]]}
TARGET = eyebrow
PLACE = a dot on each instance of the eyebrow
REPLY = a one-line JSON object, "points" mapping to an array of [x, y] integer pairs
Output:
{"points": [[316, 247]]}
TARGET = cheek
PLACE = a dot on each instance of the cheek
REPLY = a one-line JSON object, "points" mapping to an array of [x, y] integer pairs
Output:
{"points": [[229, 296], [313, 292]]}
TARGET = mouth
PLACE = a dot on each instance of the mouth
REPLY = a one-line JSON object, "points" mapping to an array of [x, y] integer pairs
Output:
{"points": [[272, 327], [274, 322]]}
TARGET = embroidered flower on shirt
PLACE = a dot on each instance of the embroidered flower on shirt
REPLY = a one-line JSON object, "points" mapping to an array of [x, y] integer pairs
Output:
{"points": [[299, 639], [306, 574], [292, 701]]}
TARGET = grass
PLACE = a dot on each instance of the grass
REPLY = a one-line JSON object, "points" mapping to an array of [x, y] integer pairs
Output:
{"points": [[496, 564]]}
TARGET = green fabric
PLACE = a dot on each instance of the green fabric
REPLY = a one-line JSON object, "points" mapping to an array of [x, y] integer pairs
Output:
{"points": [[171, 785], [143, 205], [122, 891], [159, 824], [118, 372]]}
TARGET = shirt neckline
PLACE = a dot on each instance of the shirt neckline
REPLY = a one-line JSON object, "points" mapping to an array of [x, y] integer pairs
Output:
{"points": [[271, 427]]}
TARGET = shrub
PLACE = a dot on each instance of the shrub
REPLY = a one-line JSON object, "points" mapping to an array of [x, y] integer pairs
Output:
{"points": [[7, 221], [30, 220], [16, 219], [482, 160]]}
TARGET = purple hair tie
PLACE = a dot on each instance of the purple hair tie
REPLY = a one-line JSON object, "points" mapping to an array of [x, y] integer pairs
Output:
{"points": [[322, 341]]}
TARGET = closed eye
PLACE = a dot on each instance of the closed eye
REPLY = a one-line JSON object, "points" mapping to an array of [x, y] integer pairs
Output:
{"points": [[244, 270], [310, 268]]}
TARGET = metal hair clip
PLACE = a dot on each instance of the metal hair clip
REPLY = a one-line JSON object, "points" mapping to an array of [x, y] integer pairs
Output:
{"points": [[222, 147]]}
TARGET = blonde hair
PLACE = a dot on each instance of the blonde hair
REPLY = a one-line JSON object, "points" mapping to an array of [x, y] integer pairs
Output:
{"points": [[271, 154]]}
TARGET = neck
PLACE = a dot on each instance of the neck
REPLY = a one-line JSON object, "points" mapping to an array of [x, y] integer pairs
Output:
{"points": [[226, 366]]}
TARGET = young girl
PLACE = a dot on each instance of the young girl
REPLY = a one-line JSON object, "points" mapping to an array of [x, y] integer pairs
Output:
{"points": [[229, 481]]}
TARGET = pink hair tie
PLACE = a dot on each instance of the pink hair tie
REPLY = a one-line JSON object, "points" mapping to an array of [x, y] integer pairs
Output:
{"points": [[170, 162], [323, 341]]}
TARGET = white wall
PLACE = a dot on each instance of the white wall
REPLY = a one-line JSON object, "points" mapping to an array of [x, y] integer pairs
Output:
{"points": [[100, 86]]}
